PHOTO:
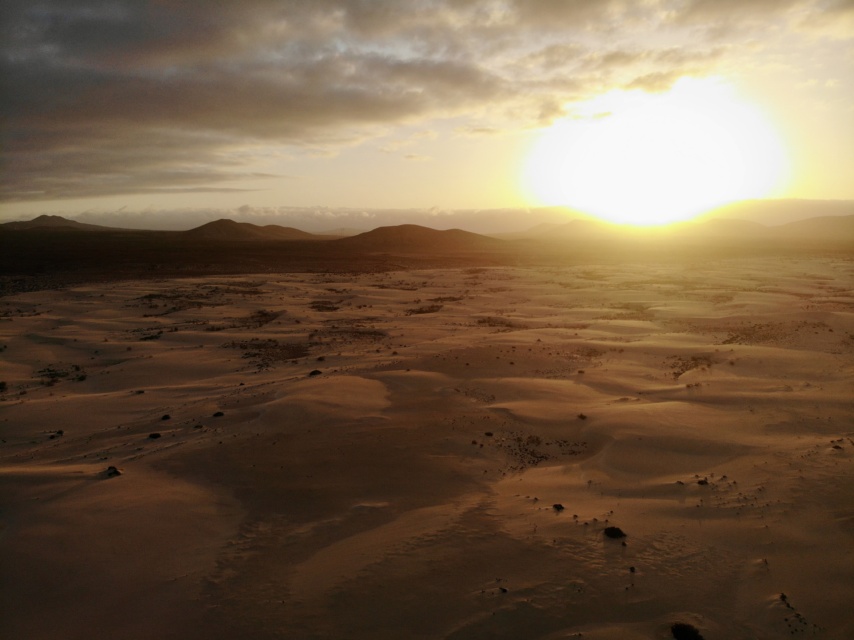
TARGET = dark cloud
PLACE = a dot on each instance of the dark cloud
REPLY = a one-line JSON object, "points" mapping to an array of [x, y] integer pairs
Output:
{"points": [[122, 96], [559, 14]]}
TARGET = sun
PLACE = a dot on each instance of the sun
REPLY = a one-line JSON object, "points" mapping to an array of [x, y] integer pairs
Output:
{"points": [[645, 159]]}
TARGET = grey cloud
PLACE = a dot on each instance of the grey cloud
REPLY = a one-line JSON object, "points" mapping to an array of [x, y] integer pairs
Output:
{"points": [[126, 96], [306, 96], [656, 82], [563, 13]]}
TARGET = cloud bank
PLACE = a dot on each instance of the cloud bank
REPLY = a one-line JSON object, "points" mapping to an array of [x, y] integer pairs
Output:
{"points": [[105, 97]]}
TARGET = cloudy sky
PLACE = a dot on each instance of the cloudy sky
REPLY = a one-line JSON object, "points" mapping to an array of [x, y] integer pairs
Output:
{"points": [[182, 105]]}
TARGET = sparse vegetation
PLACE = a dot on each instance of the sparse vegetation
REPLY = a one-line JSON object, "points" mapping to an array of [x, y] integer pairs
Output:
{"points": [[324, 306], [432, 308]]}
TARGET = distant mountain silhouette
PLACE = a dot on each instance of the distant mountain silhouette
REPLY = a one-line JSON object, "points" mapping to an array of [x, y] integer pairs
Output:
{"points": [[778, 212], [722, 228], [225, 229], [581, 228], [413, 238], [52, 222], [822, 228]]}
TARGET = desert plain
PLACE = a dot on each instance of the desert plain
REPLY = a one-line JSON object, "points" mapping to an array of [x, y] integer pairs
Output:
{"points": [[593, 450]]}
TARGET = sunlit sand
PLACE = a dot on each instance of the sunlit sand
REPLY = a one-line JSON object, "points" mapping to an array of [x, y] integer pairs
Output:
{"points": [[433, 453]]}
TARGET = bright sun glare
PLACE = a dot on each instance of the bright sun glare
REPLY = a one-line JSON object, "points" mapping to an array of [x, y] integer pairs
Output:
{"points": [[645, 159]]}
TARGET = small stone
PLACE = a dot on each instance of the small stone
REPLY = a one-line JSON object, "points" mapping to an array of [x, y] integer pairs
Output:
{"points": [[112, 472], [218, 414], [685, 631], [581, 416], [153, 436], [614, 532], [702, 481], [315, 372], [558, 507], [166, 417]]}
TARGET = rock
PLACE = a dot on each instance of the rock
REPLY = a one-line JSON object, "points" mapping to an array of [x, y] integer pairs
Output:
{"points": [[685, 631], [702, 481], [581, 416], [218, 414], [153, 436], [315, 372], [614, 532], [166, 417], [112, 472], [558, 507]]}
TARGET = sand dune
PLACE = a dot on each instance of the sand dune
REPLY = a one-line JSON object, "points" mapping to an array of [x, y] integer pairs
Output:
{"points": [[433, 453]]}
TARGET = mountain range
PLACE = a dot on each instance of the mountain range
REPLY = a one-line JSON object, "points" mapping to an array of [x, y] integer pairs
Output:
{"points": [[412, 237]]}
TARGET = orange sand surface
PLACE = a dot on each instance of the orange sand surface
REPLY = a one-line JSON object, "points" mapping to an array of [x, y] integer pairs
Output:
{"points": [[432, 454]]}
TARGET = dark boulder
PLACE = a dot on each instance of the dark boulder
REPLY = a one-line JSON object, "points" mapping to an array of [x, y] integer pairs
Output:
{"points": [[685, 631]]}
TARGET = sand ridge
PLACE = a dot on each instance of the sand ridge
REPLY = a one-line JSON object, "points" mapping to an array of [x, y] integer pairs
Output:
{"points": [[379, 455]]}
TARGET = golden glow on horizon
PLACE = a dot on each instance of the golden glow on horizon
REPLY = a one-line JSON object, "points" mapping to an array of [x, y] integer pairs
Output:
{"points": [[647, 159]]}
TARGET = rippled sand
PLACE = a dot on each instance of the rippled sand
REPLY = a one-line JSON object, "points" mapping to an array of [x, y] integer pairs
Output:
{"points": [[433, 454]]}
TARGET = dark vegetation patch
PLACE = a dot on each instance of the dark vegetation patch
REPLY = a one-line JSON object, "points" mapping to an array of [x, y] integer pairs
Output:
{"points": [[398, 286], [530, 450], [54, 373], [431, 308], [266, 353], [347, 330], [167, 303], [501, 323], [442, 299], [195, 297], [681, 365], [255, 320], [324, 306], [757, 333]]}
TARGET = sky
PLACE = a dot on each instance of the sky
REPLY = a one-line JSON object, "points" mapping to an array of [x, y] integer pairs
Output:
{"points": [[171, 108]]}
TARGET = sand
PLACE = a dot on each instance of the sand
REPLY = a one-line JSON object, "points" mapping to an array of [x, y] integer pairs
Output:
{"points": [[433, 454]]}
